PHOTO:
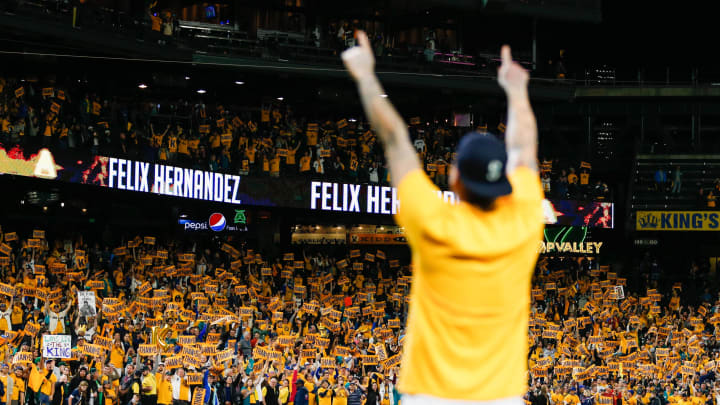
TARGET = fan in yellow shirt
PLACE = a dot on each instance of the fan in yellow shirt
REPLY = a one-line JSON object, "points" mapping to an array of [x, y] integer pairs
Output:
{"points": [[341, 393], [164, 388], [284, 391], [557, 396], [324, 393], [473, 260], [18, 393], [571, 398]]}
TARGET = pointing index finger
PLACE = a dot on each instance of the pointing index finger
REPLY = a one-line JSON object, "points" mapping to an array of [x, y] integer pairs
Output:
{"points": [[505, 55], [363, 39]]}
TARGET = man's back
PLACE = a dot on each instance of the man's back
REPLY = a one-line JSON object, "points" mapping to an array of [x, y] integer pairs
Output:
{"points": [[470, 298]]}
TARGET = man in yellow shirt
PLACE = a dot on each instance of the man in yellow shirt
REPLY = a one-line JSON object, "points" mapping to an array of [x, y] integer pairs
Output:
{"points": [[47, 387], [149, 387], [571, 398], [473, 261], [18, 392], [164, 388], [324, 393], [557, 395]]}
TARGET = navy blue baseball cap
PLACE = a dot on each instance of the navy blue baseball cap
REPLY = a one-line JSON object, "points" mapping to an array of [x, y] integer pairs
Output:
{"points": [[481, 162]]}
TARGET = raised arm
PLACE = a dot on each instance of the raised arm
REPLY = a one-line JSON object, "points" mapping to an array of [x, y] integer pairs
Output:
{"points": [[521, 135], [383, 117]]}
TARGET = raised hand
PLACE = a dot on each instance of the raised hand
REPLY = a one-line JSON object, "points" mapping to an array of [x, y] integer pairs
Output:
{"points": [[360, 60], [512, 77]]}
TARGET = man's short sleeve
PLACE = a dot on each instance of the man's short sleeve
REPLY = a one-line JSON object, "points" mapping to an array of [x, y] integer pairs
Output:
{"points": [[526, 185], [420, 202]]}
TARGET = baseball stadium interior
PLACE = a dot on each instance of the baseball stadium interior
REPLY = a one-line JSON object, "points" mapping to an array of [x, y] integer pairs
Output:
{"points": [[196, 209]]}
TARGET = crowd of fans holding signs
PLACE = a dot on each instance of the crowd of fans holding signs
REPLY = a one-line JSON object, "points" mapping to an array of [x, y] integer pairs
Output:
{"points": [[592, 343], [225, 325], [219, 326], [277, 143]]}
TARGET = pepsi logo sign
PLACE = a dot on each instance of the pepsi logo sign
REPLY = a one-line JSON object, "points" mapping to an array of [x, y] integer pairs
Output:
{"points": [[217, 222]]}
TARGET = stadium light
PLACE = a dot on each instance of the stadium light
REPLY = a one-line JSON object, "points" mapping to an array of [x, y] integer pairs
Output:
{"points": [[201, 91], [187, 77], [281, 98], [142, 86], [239, 83], [383, 95]]}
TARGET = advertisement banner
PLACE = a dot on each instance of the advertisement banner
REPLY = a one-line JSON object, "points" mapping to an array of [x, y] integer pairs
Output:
{"points": [[377, 235], [290, 192], [319, 235], [369, 199], [56, 347], [677, 221], [589, 248], [230, 221]]}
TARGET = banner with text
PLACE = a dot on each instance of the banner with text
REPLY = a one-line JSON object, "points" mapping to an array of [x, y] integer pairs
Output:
{"points": [[677, 221], [377, 235], [318, 235], [287, 191], [56, 347]]}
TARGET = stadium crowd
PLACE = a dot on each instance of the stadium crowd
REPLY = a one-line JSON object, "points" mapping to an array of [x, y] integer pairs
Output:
{"points": [[224, 325], [217, 326], [276, 143]]}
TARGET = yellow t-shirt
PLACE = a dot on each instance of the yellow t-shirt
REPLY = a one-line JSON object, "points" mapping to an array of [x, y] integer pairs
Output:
{"points": [[327, 398], [340, 396], [164, 391], [149, 382], [305, 163], [697, 400], [183, 147], [275, 165], [18, 387], [283, 395], [110, 396], [290, 158], [17, 315], [571, 399], [310, 387], [47, 383], [470, 290], [117, 356], [172, 143]]}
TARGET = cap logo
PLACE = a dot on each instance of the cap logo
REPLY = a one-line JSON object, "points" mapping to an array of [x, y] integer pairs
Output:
{"points": [[494, 171]]}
